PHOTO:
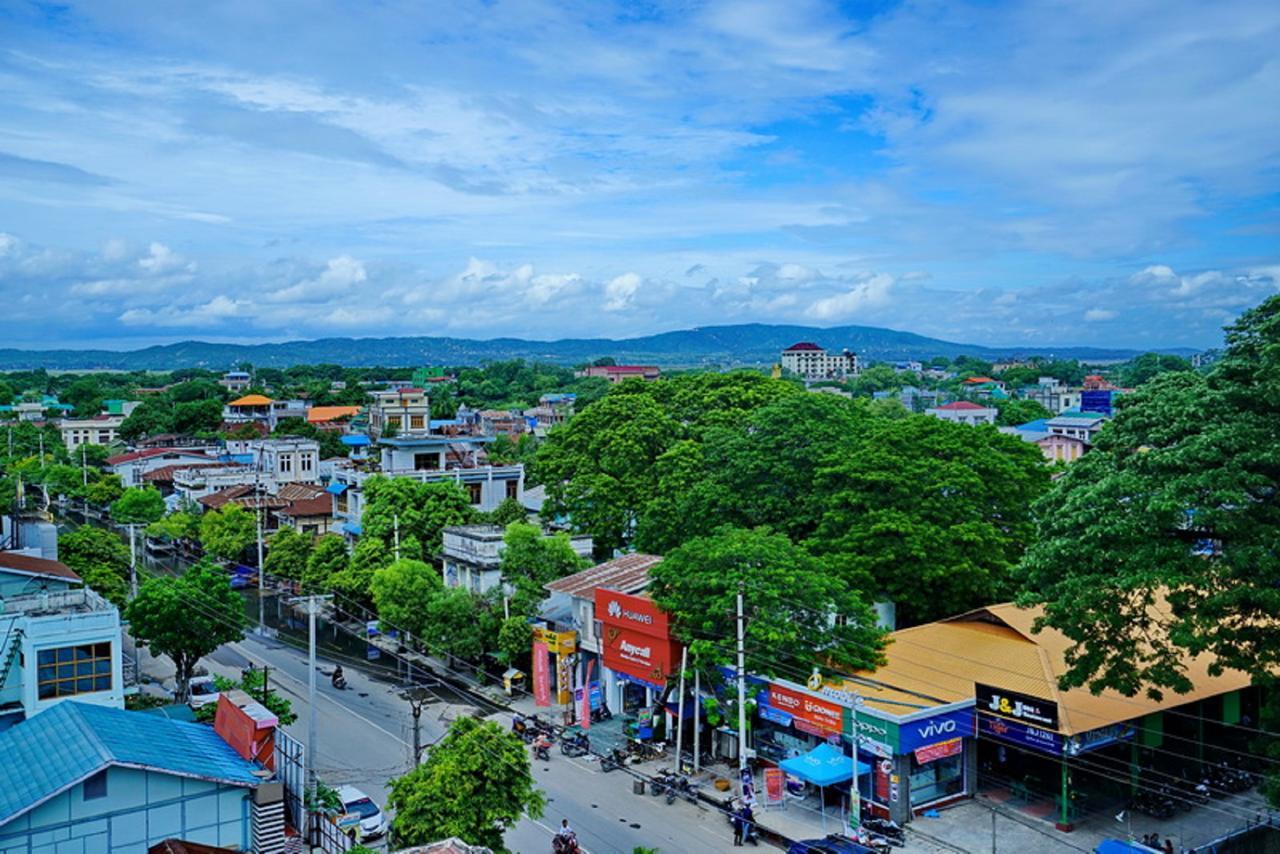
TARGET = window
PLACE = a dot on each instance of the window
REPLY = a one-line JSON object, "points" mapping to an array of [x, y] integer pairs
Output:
{"points": [[307, 462], [474, 491], [513, 488], [415, 422], [426, 462], [932, 781], [96, 786], [70, 670]]}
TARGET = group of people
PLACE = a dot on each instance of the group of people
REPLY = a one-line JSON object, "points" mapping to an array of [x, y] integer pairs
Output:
{"points": [[1152, 840]]}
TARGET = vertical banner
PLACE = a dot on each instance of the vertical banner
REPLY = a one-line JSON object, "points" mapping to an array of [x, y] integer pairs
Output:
{"points": [[584, 713], [541, 675], [775, 787]]}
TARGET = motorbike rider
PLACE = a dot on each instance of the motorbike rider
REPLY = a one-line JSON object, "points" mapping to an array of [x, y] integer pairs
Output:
{"points": [[339, 680], [542, 746]]}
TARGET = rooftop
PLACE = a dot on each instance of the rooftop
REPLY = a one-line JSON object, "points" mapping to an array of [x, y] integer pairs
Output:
{"points": [[251, 400], [627, 574], [148, 453], [962, 406], [36, 566], [58, 748], [322, 414], [803, 345]]}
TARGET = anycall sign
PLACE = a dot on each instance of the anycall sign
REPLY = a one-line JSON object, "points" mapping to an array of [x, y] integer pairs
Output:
{"points": [[635, 636]]}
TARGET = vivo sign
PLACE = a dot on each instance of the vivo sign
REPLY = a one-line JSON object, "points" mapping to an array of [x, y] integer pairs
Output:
{"points": [[913, 735]]}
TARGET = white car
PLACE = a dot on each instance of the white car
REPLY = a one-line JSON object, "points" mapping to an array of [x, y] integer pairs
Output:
{"points": [[372, 822], [201, 691]]}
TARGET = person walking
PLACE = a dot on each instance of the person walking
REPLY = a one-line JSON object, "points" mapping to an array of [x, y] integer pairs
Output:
{"points": [[738, 825]]}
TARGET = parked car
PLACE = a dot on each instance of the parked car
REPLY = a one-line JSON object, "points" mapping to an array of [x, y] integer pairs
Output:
{"points": [[832, 844], [201, 691], [373, 823]]}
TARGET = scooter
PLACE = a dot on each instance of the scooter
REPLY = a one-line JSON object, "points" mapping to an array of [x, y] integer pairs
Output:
{"points": [[577, 744], [601, 713], [542, 749], [338, 680], [613, 760], [887, 829], [565, 843]]}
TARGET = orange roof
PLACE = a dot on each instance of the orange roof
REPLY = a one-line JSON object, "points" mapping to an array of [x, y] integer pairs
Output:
{"points": [[321, 414], [251, 400], [977, 380]]}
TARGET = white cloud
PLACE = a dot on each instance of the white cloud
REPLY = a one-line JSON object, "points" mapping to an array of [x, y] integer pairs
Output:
{"points": [[339, 276], [621, 291], [1098, 314], [873, 290], [160, 260]]}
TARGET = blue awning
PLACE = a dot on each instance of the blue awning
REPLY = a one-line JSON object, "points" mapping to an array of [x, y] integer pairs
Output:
{"points": [[355, 440], [352, 528], [825, 765], [1119, 846], [336, 488]]}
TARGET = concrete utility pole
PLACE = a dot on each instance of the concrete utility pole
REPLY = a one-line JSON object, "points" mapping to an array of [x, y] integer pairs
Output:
{"points": [[313, 607], [257, 517], [742, 700], [133, 561], [697, 719], [419, 697], [395, 527], [993, 830], [684, 663]]}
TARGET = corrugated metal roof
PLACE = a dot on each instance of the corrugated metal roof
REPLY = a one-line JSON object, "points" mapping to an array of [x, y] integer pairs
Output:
{"points": [[71, 741], [627, 574], [36, 566]]}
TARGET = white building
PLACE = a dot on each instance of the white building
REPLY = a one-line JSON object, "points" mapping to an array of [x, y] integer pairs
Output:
{"points": [[236, 381], [400, 410], [814, 363], [1077, 425], [284, 460], [472, 556], [964, 412], [134, 465], [99, 430]]}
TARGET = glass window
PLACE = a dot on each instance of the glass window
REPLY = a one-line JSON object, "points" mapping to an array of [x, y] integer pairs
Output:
{"points": [[70, 670], [935, 780], [96, 786], [513, 487], [474, 491]]}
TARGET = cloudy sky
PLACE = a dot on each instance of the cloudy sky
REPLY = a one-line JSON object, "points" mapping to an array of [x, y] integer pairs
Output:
{"points": [[1091, 172]]}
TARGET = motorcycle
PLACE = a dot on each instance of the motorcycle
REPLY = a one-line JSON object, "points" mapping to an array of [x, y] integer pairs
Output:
{"points": [[565, 843], [542, 749], [577, 744], [680, 787], [338, 680], [601, 713], [886, 829], [613, 760], [749, 834]]}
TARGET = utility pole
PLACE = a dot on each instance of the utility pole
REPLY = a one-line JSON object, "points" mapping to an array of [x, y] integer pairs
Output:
{"points": [[395, 527], [262, 572], [313, 606], [133, 560], [419, 698], [993, 830], [697, 719], [684, 662], [742, 703]]}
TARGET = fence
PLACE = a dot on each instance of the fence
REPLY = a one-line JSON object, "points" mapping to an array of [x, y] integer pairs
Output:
{"points": [[291, 768]]}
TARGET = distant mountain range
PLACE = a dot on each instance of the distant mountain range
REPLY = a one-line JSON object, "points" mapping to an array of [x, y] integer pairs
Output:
{"points": [[742, 344]]}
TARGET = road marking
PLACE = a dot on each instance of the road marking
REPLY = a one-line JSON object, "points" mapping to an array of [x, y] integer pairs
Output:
{"points": [[281, 673]]}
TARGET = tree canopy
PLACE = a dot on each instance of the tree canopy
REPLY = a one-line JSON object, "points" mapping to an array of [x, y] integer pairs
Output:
{"points": [[100, 558], [422, 510], [227, 532], [531, 560], [138, 506]]}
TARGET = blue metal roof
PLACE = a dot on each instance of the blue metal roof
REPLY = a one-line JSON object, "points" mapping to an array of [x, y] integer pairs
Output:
{"points": [[355, 440], [336, 488], [353, 528], [71, 741], [1040, 425]]}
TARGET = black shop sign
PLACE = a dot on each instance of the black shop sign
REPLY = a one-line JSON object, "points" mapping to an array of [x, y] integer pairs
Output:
{"points": [[1019, 707]]}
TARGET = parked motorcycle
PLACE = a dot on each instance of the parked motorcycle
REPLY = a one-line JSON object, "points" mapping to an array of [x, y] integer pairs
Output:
{"points": [[542, 749], [601, 714], [887, 829], [575, 744]]}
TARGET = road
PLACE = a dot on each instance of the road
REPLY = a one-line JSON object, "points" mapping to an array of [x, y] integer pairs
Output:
{"points": [[365, 738]]}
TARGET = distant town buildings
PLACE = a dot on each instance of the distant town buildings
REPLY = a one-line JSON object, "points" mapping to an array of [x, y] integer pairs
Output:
{"points": [[618, 373], [964, 412], [812, 362], [236, 381], [399, 410], [472, 556]]}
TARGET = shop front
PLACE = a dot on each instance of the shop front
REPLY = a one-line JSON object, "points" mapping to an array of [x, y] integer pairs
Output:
{"points": [[637, 651]]}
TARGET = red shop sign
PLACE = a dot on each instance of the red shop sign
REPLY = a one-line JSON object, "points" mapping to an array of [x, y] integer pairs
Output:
{"points": [[809, 714], [638, 655], [941, 750], [633, 613]]}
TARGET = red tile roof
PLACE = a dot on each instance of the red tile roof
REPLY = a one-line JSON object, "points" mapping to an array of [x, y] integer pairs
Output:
{"points": [[148, 453], [319, 506], [36, 566], [962, 405], [979, 380], [628, 574], [803, 345], [165, 473]]}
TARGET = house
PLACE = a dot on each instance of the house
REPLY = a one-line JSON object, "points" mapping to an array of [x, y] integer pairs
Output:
{"points": [[179, 441], [1053, 394], [331, 417], [812, 362], [58, 640], [428, 457], [506, 422], [85, 778], [47, 407], [1076, 424], [907, 367], [133, 466], [1056, 447], [399, 410], [236, 381], [250, 408], [285, 409], [618, 373], [473, 555], [163, 477], [308, 509], [281, 460], [98, 430], [964, 412], [552, 409]]}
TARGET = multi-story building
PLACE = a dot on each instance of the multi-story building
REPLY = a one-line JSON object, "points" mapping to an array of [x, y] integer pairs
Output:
{"points": [[281, 460], [59, 640], [236, 381], [282, 409], [812, 362], [428, 457], [98, 430], [133, 466], [964, 412], [1078, 425], [399, 410], [552, 409], [618, 373], [1054, 395], [472, 556], [247, 409]]}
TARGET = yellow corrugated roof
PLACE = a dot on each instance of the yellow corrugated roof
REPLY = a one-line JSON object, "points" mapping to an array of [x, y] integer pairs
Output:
{"points": [[318, 414], [251, 400], [995, 646]]}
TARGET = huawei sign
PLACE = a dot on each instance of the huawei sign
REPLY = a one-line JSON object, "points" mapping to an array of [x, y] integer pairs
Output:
{"points": [[616, 611], [635, 636]]}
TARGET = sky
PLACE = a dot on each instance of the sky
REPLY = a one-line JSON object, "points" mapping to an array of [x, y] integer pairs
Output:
{"points": [[1091, 172]]}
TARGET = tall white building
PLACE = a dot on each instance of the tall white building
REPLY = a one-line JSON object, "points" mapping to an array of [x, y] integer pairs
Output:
{"points": [[814, 363]]}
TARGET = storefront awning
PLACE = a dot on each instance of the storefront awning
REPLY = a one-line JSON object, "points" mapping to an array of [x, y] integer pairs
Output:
{"points": [[336, 488], [825, 765]]}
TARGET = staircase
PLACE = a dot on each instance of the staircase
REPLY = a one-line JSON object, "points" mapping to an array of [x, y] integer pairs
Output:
{"points": [[9, 649]]}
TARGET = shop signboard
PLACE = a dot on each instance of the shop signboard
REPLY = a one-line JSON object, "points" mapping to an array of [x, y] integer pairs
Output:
{"points": [[1026, 735], [564, 678], [560, 643], [939, 750], [1101, 737], [913, 735], [635, 637], [769, 713], [876, 736], [541, 675], [1020, 707], [808, 714], [775, 786]]}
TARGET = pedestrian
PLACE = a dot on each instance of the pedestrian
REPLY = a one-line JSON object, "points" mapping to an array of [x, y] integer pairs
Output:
{"points": [[738, 825], [1168, 846]]}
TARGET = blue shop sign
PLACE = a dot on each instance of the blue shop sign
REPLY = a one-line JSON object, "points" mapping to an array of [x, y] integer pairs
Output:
{"points": [[769, 713], [1026, 735], [957, 723], [1095, 738]]}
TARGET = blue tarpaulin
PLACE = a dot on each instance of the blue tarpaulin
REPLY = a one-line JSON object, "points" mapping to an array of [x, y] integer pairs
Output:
{"points": [[336, 488], [355, 440], [1119, 846], [825, 765]]}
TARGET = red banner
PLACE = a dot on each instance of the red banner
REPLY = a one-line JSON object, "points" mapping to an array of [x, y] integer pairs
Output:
{"points": [[808, 714], [775, 785], [541, 675], [584, 713], [941, 750]]}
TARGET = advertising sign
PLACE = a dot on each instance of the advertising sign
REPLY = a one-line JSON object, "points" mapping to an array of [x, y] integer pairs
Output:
{"points": [[633, 612], [561, 643], [775, 786], [875, 736], [635, 640], [935, 729], [808, 714], [584, 699], [941, 750], [541, 675], [564, 678], [1020, 707], [884, 767], [1095, 738], [1026, 735]]}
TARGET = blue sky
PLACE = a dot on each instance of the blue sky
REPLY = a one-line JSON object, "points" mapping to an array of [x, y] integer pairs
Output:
{"points": [[1051, 173]]}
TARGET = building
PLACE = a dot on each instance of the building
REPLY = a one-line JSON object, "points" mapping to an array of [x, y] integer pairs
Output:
{"points": [[505, 422], [428, 457], [964, 412], [285, 409], [236, 381], [618, 373], [1077, 425], [552, 409], [1056, 447], [332, 417], [83, 778], [46, 408], [98, 430], [472, 556], [278, 461], [250, 408], [132, 467], [308, 509], [812, 362], [627, 575], [399, 410], [58, 640], [1053, 394]]}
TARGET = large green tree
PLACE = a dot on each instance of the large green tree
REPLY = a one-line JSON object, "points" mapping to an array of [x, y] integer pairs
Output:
{"points": [[287, 553], [1164, 540], [403, 593], [531, 560], [475, 784], [328, 557], [1011, 413], [227, 532], [420, 510], [798, 614], [138, 505], [187, 617], [100, 558], [929, 514]]}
